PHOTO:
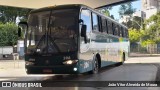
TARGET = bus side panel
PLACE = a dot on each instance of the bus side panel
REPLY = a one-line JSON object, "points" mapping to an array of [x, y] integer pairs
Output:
{"points": [[108, 46], [84, 66]]}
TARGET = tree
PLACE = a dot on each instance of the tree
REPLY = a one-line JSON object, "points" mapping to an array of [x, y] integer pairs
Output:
{"points": [[8, 34], [126, 9], [153, 28], [9, 14], [134, 35], [134, 23], [106, 12]]}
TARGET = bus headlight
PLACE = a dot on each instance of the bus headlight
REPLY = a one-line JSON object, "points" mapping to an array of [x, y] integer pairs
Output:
{"points": [[69, 62], [29, 63]]}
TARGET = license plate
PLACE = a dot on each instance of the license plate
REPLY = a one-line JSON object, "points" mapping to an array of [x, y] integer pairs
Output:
{"points": [[47, 71]]}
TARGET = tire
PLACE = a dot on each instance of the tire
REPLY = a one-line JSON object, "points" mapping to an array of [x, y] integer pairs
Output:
{"points": [[29, 71], [95, 66], [123, 59]]}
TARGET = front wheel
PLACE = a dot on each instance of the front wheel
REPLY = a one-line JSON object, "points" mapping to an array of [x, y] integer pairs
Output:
{"points": [[95, 66]]}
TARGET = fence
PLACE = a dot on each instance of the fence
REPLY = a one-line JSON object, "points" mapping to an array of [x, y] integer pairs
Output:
{"points": [[149, 49], [6, 52]]}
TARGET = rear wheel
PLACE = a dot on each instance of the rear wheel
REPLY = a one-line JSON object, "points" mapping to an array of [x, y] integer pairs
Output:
{"points": [[123, 58]]}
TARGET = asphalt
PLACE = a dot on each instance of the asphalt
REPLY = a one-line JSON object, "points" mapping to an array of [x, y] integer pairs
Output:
{"points": [[134, 69], [16, 68]]}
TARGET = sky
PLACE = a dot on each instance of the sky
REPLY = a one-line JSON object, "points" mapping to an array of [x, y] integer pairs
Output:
{"points": [[115, 9]]}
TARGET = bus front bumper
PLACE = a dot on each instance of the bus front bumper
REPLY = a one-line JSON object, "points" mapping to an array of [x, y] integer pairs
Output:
{"points": [[60, 69]]}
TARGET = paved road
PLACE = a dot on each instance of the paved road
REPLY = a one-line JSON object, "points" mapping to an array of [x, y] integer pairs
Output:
{"points": [[134, 69]]}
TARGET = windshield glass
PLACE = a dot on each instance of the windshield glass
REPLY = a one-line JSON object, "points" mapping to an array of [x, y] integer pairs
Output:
{"points": [[52, 31]]}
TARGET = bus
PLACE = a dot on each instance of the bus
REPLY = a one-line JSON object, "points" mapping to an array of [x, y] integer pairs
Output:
{"points": [[72, 39]]}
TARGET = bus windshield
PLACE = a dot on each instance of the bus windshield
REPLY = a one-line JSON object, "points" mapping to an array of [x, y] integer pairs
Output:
{"points": [[53, 31]]}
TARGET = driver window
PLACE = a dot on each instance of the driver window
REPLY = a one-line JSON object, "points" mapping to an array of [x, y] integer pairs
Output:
{"points": [[85, 16]]}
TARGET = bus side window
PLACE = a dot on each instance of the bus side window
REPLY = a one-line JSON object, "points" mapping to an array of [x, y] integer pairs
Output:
{"points": [[113, 28], [116, 30], [100, 24], [104, 27], [126, 30], [119, 31], [95, 22], [122, 32], [110, 27]]}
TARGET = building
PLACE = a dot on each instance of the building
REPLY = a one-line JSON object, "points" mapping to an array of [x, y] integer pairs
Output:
{"points": [[124, 19], [150, 7]]}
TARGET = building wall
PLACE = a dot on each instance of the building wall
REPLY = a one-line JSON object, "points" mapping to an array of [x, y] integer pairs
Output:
{"points": [[150, 7]]}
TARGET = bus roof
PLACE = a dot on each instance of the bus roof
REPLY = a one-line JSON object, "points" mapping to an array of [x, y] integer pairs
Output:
{"points": [[78, 6]]}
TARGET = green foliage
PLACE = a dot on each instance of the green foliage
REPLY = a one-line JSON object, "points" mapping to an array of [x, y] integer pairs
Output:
{"points": [[152, 31], [8, 34], [134, 23], [106, 12], [134, 35], [9, 14], [126, 9], [146, 42]]}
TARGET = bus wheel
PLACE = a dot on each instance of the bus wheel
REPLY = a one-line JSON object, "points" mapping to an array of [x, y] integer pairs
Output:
{"points": [[95, 66], [28, 71], [123, 58]]}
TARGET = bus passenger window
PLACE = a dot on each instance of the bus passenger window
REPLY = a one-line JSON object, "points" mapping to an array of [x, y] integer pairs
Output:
{"points": [[113, 28], [119, 31], [100, 24], [95, 22], [104, 27], [116, 30], [110, 27], [126, 30]]}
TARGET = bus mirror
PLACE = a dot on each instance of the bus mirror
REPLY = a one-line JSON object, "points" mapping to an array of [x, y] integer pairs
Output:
{"points": [[19, 32], [21, 25], [83, 30]]}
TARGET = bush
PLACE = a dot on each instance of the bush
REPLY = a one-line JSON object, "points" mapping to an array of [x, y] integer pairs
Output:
{"points": [[8, 34]]}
